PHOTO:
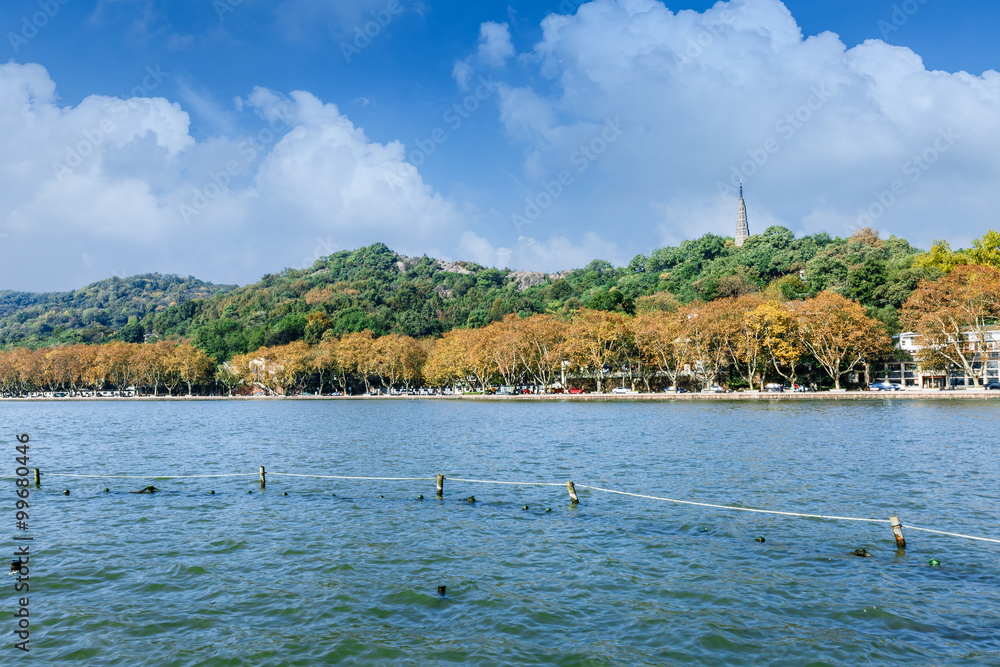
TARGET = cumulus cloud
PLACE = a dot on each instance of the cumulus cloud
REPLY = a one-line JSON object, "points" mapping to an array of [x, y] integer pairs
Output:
{"points": [[120, 186], [824, 137], [495, 48]]}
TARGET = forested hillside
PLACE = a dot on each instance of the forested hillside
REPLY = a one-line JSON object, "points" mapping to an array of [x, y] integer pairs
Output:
{"points": [[96, 312], [377, 290]]}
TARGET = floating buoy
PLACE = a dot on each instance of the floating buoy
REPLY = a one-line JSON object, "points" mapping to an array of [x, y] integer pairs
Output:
{"points": [[524, 507], [761, 540], [702, 529], [420, 497], [66, 492], [249, 492], [472, 499], [934, 562], [442, 590], [548, 509], [333, 495], [211, 493], [862, 553], [381, 496], [285, 493], [107, 490]]}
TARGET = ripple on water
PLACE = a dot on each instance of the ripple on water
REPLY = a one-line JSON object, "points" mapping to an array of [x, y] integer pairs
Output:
{"points": [[186, 578]]}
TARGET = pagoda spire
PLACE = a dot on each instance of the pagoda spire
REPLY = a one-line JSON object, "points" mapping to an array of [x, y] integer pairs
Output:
{"points": [[742, 227]]}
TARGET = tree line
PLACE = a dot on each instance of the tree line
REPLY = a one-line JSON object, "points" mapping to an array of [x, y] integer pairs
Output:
{"points": [[743, 340]]}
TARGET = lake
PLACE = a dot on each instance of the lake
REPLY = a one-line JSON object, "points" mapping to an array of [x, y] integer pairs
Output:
{"points": [[185, 577]]}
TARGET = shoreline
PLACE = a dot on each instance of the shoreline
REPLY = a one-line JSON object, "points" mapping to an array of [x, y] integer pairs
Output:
{"points": [[975, 394]]}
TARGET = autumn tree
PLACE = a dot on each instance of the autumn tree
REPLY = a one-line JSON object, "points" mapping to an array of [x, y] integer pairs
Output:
{"points": [[192, 365], [447, 360], [597, 341], [119, 362], [709, 335], [292, 365], [956, 318], [839, 334], [780, 345], [542, 339], [358, 355], [659, 336]]}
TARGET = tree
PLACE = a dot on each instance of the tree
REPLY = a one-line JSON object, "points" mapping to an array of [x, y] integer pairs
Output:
{"points": [[780, 345], [956, 318], [133, 332], [986, 250], [358, 355], [118, 360], [230, 376], [596, 341], [192, 365], [660, 339], [446, 360], [941, 257], [542, 339], [839, 333]]}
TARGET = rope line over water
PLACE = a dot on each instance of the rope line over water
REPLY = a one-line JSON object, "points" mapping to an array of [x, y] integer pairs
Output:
{"points": [[941, 532], [62, 474], [549, 484], [493, 481], [730, 507], [378, 479]]}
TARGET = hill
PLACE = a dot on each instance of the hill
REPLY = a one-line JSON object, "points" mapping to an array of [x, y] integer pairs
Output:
{"points": [[94, 313], [377, 289]]}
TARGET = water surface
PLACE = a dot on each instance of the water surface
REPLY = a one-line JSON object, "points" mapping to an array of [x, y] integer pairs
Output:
{"points": [[187, 578]]}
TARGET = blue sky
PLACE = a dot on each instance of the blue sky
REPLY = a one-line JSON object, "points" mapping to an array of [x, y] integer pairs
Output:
{"points": [[231, 138]]}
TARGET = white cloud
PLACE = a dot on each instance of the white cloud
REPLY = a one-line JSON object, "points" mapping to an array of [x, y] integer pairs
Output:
{"points": [[495, 46], [108, 183], [819, 132]]}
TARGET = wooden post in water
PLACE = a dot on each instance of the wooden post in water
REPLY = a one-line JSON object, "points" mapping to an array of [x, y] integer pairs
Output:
{"points": [[38, 477], [440, 485], [263, 479], [572, 493], [897, 531]]}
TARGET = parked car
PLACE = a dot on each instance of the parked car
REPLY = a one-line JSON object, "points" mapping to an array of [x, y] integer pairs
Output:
{"points": [[992, 385], [675, 390], [884, 386], [575, 390], [714, 389], [623, 390], [774, 388]]}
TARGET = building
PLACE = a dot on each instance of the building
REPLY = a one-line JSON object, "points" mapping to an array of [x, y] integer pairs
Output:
{"points": [[911, 374], [742, 227]]}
